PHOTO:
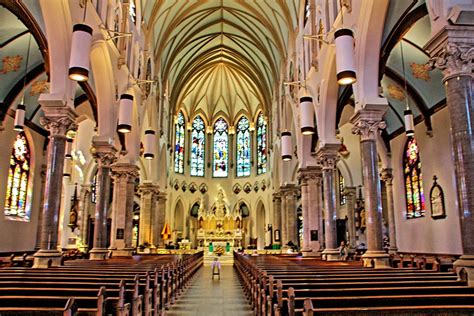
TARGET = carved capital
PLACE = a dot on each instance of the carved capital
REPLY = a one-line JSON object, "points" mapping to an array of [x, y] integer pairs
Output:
{"points": [[386, 176], [349, 192], [454, 59], [103, 152], [276, 197], [148, 189], [105, 159], [310, 175], [58, 125], [125, 172]]}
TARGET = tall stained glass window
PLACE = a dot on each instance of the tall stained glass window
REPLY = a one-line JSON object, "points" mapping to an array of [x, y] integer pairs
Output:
{"points": [[243, 147], [18, 176], [261, 144], [221, 148], [179, 144], [415, 198], [342, 185], [198, 145]]}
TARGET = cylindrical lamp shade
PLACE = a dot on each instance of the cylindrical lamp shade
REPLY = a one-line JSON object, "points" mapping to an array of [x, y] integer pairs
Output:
{"points": [[125, 113], [149, 144], [409, 123], [286, 146], [345, 63], [68, 154], [19, 117], [67, 171], [80, 52], [307, 115]]}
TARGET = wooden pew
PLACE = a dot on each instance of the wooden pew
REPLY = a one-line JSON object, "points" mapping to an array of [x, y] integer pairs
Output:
{"points": [[37, 306]]}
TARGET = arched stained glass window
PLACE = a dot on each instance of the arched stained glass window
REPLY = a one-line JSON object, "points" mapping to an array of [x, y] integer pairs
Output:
{"points": [[415, 198], [18, 176], [198, 147], [179, 144], [243, 147], [261, 144], [221, 148]]}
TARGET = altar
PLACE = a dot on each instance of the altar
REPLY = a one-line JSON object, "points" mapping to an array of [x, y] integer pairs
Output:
{"points": [[218, 225]]}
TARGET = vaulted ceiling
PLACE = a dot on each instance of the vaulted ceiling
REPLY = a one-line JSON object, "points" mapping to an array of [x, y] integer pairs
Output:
{"points": [[221, 57]]}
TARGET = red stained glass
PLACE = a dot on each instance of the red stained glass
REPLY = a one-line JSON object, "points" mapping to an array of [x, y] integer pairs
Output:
{"points": [[415, 200]]}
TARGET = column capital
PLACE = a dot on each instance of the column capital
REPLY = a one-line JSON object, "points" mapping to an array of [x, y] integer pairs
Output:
{"points": [[125, 171], [288, 189], [309, 175], [386, 175], [349, 191], [103, 152], [327, 156], [452, 50], [148, 188], [368, 122], [276, 197], [58, 124]]}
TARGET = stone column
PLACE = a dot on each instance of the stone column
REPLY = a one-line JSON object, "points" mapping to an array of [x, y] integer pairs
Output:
{"points": [[276, 216], [284, 219], [387, 177], [453, 51], [148, 193], [327, 157], [40, 215], [291, 214], [159, 220], [350, 193], [121, 236], [58, 120], [84, 205], [367, 123], [311, 180], [104, 154]]}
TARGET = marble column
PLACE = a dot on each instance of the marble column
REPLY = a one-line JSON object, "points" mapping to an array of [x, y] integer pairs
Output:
{"points": [[148, 193], [453, 52], [276, 216], [327, 158], [387, 177], [350, 193], [284, 219], [159, 220], [124, 175], [105, 155], [291, 214], [368, 123], [58, 120], [83, 216], [311, 180], [40, 215]]}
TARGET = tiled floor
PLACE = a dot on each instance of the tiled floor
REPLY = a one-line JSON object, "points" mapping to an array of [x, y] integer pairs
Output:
{"points": [[207, 297]]}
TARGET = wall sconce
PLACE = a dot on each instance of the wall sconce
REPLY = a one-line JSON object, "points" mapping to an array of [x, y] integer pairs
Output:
{"points": [[125, 113], [286, 146], [149, 144], [307, 115]]}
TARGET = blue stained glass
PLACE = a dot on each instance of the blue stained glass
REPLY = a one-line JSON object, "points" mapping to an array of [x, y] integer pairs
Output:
{"points": [[179, 144], [221, 148], [261, 144], [243, 147], [198, 147]]}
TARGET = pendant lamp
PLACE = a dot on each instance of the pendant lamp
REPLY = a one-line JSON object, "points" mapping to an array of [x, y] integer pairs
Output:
{"points": [[149, 144], [80, 52], [345, 63], [286, 146], [307, 115], [125, 113], [409, 123], [68, 154], [19, 117]]}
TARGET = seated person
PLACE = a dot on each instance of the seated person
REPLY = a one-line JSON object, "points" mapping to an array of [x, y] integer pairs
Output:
{"points": [[343, 251]]}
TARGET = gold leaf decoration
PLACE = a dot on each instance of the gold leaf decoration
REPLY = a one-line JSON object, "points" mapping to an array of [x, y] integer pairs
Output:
{"points": [[39, 86], [420, 71], [396, 92], [11, 63]]}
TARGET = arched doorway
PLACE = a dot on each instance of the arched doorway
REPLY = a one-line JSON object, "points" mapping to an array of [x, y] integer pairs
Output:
{"points": [[260, 226], [179, 224]]}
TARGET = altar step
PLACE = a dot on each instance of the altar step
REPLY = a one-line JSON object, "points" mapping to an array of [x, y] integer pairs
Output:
{"points": [[225, 259]]}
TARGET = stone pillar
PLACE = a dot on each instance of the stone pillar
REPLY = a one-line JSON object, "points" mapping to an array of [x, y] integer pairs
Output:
{"points": [[291, 214], [327, 157], [276, 216], [284, 219], [350, 193], [148, 193], [58, 120], [121, 236], [159, 220], [311, 180], [387, 177], [367, 123], [453, 51], [84, 205], [40, 215], [104, 154]]}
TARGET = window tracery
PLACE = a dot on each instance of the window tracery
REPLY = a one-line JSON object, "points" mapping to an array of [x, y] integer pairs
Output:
{"points": [[179, 144], [198, 147], [221, 148], [243, 147]]}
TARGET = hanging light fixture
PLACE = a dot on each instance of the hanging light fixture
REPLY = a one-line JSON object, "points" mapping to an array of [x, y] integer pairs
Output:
{"points": [[80, 50], [20, 112], [408, 114], [345, 63], [307, 115], [68, 154], [286, 146], [125, 113], [149, 144]]}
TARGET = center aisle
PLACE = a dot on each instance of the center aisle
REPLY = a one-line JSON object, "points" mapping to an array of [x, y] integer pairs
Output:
{"points": [[207, 297]]}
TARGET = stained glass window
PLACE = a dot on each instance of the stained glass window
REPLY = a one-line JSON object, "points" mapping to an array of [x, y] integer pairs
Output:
{"points": [[18, 176], [261, 144], [342, 197], [221, 148], [94, 186], [415, 198], [243, 147], [179, 144], [198, 147]]}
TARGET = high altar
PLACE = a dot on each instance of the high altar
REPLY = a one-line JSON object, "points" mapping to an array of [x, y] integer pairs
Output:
{"points": [[219, 225]]}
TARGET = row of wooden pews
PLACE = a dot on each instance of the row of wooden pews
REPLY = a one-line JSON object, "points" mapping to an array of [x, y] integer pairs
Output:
{"points": [[279, 285], [144, 285]]}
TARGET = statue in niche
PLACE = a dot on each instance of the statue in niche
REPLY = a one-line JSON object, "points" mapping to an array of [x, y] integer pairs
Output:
{"points": [[437, 200]]}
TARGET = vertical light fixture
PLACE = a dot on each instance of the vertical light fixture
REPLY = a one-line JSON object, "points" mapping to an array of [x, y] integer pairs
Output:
{"points": [[307, 115], [286, 146], [20, 113], [68, 154], [408, 115], [125, 113], [80, 50], [345, 59], [149, 144]]}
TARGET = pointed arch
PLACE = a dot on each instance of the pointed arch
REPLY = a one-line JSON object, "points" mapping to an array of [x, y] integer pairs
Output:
{"points": [[179, 143], [221, 148], [198, 147], [414, 196], [243, 146]]}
